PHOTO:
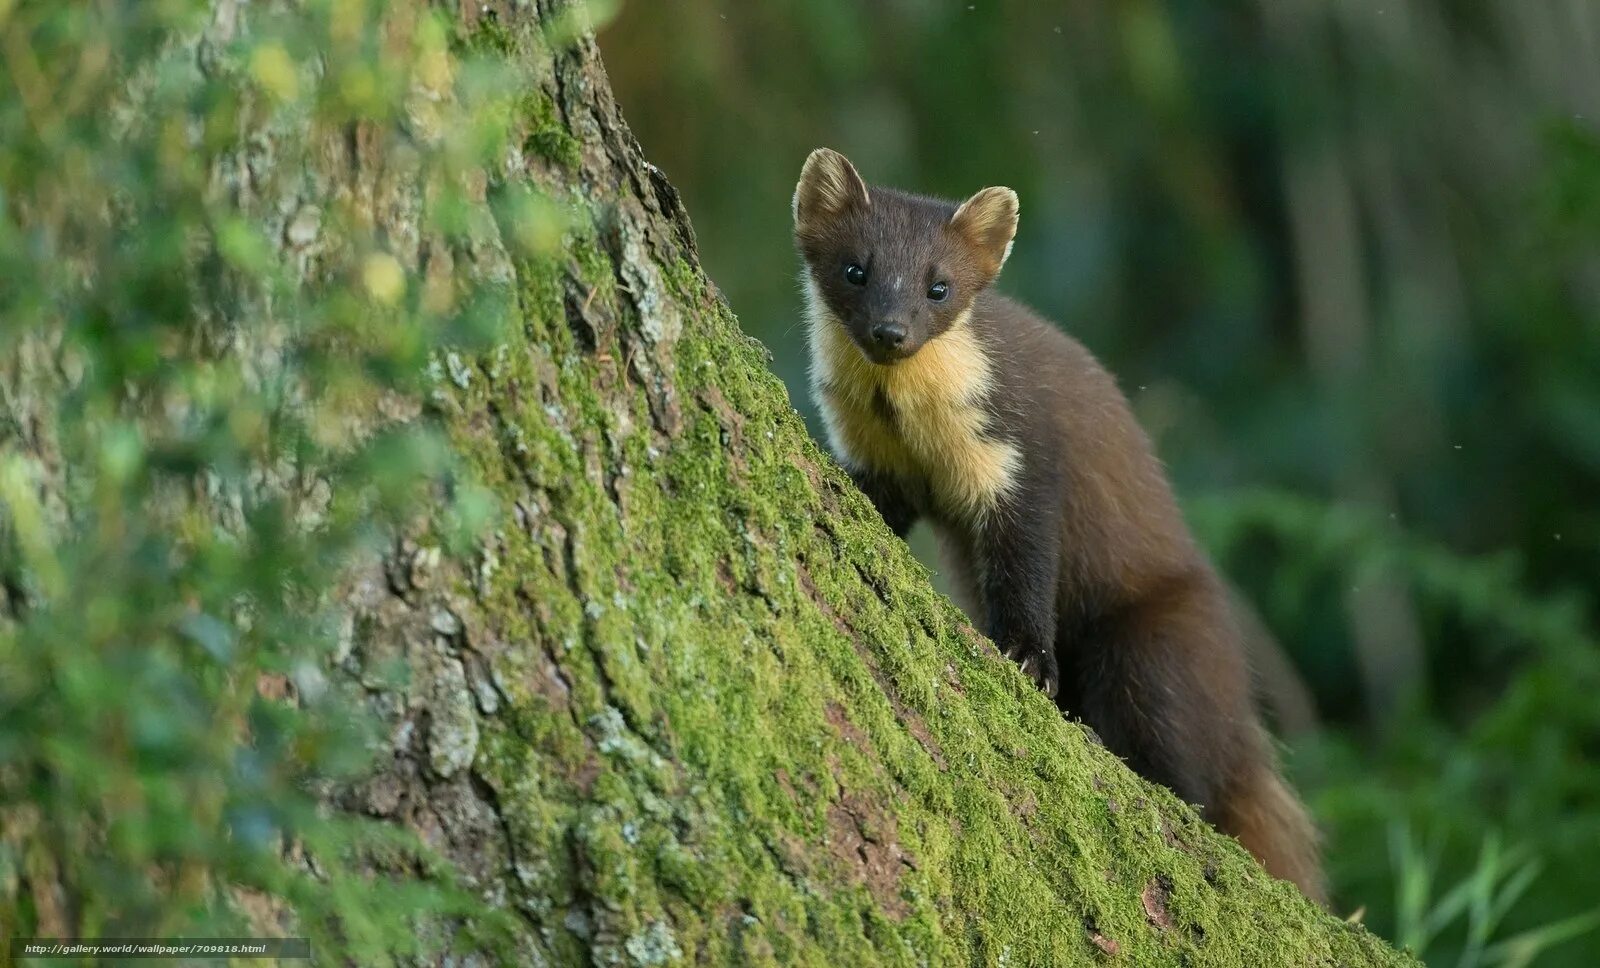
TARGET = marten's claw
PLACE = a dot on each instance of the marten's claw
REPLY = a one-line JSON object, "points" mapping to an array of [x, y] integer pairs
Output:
{"points": [[1040, 667]]}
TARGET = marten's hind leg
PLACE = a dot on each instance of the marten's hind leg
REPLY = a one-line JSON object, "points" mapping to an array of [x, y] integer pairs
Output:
{"points": [[1164, 686], [1163, 681]]}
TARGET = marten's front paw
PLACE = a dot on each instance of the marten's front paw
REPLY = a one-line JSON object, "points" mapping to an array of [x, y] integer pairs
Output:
{"points": [[1038, 665]]}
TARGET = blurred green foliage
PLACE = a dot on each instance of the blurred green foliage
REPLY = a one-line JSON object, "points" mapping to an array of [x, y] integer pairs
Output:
{"points": [[1345, 260], [206, 356]]}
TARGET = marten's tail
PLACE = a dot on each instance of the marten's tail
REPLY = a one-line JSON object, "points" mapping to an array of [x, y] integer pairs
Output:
{"points": [[1269, 820]]}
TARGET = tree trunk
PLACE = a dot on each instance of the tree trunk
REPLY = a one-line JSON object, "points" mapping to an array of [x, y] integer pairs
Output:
{"points": [[692, 701]]}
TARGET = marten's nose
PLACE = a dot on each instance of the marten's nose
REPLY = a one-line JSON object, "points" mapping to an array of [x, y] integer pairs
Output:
{"points": [[889, 335]]}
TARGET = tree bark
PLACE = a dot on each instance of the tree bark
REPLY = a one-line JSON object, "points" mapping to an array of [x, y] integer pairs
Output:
{"points": [[692, 701]]}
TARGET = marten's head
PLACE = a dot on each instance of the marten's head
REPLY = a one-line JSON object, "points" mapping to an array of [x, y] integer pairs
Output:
{"points": [[896, 270]]}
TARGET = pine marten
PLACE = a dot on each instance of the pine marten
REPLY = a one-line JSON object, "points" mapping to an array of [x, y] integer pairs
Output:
{"points": [[947, 401]]}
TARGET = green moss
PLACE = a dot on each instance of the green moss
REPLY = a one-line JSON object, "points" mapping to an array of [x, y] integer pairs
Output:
{"points": [[548, 136], [486, 37]]}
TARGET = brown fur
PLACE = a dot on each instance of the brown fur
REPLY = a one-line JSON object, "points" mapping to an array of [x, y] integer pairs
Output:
{"points": [[1269, 821]]}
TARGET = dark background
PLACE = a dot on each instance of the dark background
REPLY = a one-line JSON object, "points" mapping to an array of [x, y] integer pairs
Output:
{"points": [[1342, 256]]}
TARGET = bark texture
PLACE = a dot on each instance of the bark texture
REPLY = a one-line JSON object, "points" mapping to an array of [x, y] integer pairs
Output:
{"points": [[692, 702]]}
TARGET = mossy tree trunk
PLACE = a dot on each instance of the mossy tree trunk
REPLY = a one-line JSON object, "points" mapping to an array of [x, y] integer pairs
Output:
{"points": [[691, 700]]}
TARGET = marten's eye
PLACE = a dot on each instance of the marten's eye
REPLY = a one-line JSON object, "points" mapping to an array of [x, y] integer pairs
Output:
{"points": [[855, 275], [939, 291]]}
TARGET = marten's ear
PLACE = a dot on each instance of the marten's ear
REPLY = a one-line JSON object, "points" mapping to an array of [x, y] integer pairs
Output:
{"points": [[988, 222], [829, 187]]}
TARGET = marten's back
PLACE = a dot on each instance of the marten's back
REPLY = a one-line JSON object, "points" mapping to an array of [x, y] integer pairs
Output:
{"points": [[1122, 527]]}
